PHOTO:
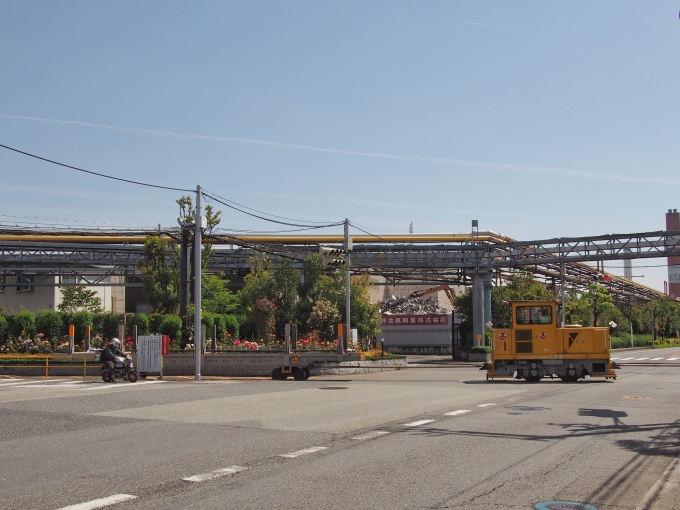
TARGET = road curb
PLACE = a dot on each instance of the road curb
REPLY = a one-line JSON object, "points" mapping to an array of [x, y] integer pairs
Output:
{"points": [[665, 493]]}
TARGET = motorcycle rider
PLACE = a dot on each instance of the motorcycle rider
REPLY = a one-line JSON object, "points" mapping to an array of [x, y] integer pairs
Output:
{"points": [[110, 356]]}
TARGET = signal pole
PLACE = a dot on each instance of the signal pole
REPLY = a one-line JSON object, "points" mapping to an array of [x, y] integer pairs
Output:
{"points": [[197, 285]]}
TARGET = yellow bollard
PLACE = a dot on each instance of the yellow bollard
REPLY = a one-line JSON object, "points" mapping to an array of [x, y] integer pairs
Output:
{"points": [[47, 364]]}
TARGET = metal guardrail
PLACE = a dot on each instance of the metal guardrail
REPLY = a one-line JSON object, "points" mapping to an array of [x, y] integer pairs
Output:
{"points": [[73, 357]]}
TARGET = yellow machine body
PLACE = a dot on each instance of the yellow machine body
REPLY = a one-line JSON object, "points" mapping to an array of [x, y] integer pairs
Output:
{"points": [[535, 346]]}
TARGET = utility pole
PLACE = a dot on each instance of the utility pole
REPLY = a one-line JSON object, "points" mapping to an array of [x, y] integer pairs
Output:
{"points": [[348, 248], [197, 284]]}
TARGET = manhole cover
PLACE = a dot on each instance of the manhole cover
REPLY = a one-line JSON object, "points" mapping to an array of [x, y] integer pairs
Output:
{"points": [[334, 388], [529, 408], [562, 505]]}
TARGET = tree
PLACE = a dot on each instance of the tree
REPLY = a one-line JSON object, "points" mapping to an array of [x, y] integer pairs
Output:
{"points": [[161, 280], [365, 316], [286, 280], [78, 298], [216, 296], [598, 302], [187, 213]]}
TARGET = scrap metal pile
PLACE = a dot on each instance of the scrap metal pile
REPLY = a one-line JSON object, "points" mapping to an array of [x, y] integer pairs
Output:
{"points": [[411, 306]]}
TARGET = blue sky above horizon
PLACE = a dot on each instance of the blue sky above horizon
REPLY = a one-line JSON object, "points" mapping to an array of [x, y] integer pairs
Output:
{"points": [[539, 119]]}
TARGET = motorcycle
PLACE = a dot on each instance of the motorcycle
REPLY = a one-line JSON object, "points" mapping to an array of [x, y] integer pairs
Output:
{"points": [[123, 369]]}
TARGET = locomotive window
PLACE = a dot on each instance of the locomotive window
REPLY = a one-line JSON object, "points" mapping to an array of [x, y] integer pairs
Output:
{"points": [[534, 315]]}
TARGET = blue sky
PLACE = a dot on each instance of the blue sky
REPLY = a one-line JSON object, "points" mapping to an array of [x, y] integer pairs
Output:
{"points": [[539, 119]]}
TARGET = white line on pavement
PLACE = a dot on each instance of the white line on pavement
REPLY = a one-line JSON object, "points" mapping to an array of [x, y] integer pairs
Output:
{"points": [[486, 405], [24, 383], [417, 423], [624, 359], [671, 359], [457, 413], [116, 386], [655, 359], [612, 359], [371, 435], [99, 503], [640, 359], [215, 474], [304, 451]]}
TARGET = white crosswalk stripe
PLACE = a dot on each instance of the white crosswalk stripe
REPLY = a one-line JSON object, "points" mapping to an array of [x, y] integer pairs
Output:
{"points": [[417, 423], [305, 451], [671, 359], [371, 435], [656, 359], [215, 474], [100, 503], [458, 412]]}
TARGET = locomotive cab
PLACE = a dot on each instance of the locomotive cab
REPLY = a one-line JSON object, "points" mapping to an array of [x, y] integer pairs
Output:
{"points": [[535, 346]]}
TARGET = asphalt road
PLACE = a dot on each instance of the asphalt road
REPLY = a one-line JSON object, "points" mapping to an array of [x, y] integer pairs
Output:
{"points": [[414, 438]]}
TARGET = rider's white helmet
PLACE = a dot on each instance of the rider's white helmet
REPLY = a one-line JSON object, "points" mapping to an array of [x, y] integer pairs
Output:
{"points": [[115, 342]]}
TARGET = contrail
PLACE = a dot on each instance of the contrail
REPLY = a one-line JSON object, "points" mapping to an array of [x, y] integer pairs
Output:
{"points": [[481, 165], [503, 28]]}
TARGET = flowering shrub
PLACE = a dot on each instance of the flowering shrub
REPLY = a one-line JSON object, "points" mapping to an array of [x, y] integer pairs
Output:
{"points": [[263, 315], [323, 319]]}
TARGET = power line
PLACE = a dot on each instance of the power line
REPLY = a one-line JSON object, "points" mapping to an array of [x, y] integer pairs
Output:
{"points": [[371, 234], [213, 197], [95, 173], [260, 212]]}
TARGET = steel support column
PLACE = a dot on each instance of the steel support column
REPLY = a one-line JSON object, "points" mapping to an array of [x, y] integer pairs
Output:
{"points": [[478, 309]]}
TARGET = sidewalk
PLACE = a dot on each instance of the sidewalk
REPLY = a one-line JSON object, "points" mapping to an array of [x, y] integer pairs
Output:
{"points": [[439, 361]]}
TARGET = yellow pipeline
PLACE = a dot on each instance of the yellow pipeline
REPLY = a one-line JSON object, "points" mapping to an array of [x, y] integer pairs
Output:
{"points": [[264, 239]]}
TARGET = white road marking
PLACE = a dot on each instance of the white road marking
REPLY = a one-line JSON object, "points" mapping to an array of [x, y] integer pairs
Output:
{"points": [[69, 382], [18, 383], [655, 359], [486, 405], [304, 451], [215, 474], [371, 435], [119, 385], [417, 423], [624, 359], [640, 359], [99, 503], [457, 413], [671, 359], [612, 359]]}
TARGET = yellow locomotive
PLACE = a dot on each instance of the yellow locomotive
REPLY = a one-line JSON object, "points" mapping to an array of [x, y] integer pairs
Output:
{"points": [[535, 347]]}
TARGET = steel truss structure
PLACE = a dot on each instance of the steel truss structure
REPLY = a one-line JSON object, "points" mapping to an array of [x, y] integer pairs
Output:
{"points": [[66, 263]]}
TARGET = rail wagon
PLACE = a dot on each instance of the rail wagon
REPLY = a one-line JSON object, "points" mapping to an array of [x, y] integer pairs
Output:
{"points": [[535, 347]]}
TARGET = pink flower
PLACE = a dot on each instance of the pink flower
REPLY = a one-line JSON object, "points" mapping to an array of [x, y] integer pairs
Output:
{"points": [[237, 342]]}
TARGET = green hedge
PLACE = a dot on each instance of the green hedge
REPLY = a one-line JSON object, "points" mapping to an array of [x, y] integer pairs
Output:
{"points": [[50, 324], [141, 321], [23, 323]]}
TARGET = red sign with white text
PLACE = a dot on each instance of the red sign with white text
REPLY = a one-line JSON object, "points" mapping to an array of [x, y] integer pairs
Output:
{"points": [[165, 345], [414, 320]]}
